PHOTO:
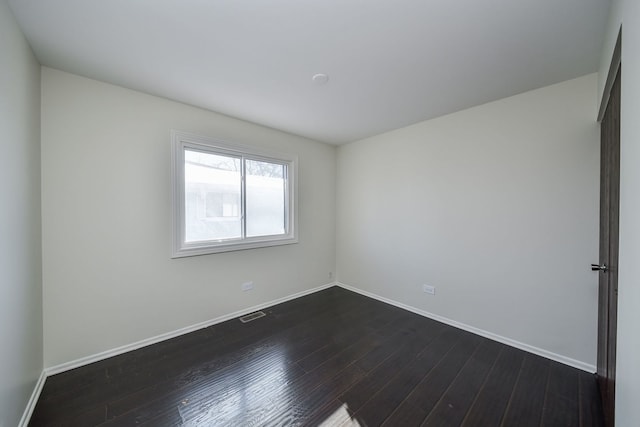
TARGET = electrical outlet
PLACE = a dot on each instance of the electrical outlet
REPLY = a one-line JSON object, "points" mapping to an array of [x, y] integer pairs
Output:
{"points": [[247, 286], [429, 289], [331, 275]]}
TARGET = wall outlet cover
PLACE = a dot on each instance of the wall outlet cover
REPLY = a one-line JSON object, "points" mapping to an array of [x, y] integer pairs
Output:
{"points": [[429, 289]]}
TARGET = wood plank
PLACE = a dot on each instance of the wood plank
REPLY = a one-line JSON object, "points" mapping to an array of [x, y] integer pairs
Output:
{"points": [[298, 411], [380, 336], [526, 403], [384, 402], [561, 400], [491, 402], [432, 386], [325, 393], [404, 354], [456, 401], [590, 404]]}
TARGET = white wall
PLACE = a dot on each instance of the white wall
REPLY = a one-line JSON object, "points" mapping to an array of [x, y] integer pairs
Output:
{"points": [[496, 206], [627, 13], [107, 274], [20, 242]]}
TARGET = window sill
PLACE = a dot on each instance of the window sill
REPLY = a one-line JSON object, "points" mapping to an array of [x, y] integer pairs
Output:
{"points": [[208, 248]]}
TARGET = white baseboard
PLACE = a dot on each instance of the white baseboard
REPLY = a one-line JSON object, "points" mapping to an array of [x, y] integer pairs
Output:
{"points": [[508, 341], [162, 337], [31, 405], [26, 416], [24, 421]]}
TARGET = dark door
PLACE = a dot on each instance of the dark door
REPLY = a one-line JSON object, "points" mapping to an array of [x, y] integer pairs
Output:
{"points": [[608, 265]]}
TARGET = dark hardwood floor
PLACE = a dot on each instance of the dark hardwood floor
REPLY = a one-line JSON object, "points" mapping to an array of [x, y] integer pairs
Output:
{"points": [[333, 358]]}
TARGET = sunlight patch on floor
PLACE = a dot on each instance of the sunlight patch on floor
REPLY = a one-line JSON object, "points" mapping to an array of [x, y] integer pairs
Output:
{"points": [[340, 417]]}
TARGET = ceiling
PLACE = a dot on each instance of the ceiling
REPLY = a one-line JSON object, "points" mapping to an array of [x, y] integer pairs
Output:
{"points": [[390, 63]]}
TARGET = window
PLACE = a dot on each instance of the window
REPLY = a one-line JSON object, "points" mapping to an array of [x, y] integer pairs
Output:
{"points": [[228, 197]]}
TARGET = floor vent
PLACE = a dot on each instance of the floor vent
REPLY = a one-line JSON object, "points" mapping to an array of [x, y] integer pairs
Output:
{"points": [[253, 316]]}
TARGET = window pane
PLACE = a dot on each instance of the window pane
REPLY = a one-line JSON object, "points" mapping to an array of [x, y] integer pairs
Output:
{"points": [[265, 198], [212, 197]]}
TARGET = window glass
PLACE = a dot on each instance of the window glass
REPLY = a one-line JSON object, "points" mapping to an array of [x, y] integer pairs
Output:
{"points": [[265, 198], [212, 197]]}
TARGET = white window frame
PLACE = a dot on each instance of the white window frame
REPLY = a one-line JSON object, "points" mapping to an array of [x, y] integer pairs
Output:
{"points": [[184, 140]]}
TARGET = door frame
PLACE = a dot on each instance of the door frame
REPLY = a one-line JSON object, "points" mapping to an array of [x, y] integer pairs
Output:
{"points": [[606, 356], [616, 61]]}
